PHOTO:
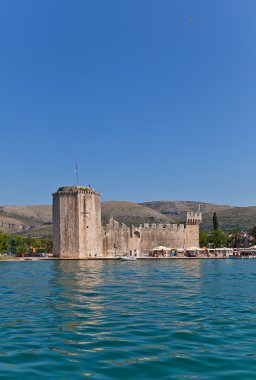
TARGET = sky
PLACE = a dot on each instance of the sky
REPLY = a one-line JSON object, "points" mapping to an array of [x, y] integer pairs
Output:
{"points": [[150, 105]]}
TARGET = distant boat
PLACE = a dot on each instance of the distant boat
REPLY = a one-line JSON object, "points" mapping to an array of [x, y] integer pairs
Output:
{"points": [[127, 258]]}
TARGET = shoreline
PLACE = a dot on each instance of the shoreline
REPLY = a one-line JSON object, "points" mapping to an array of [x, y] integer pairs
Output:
{"points": [[23, 259]]}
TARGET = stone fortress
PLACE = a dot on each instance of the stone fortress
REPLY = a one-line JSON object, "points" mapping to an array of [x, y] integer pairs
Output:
{"points": [[78, 233]]}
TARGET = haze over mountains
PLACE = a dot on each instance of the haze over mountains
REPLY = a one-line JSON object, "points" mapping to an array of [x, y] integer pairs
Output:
{"points": [[37, 220]]}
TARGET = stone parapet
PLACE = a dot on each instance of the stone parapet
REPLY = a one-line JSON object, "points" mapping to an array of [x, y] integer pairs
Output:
{"points": [[73, 190]]}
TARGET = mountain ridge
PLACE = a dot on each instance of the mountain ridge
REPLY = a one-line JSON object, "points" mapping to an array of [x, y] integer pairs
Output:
{"points": [[37, 219]]}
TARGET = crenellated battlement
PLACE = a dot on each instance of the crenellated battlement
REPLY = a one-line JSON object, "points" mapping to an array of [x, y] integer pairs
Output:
{"points": [[115, 225], [194, 218], [74, 190]]}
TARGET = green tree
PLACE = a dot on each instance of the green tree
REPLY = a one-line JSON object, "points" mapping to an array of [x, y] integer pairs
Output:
{"points": [[49, 246], [18, 244], [215, 222], [22, 246], [13, 243], [3, 242], [219, 238], [203, 239], [235, 238], [29, 241]]}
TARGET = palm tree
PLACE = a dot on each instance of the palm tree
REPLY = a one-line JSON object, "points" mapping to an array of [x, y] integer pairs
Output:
{"points": [[253, 234], [235, 238]]}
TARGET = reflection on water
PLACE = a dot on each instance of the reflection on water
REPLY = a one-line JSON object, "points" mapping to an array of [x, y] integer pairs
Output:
{"points": [[77, 303], [79, 282], [113, 320]]}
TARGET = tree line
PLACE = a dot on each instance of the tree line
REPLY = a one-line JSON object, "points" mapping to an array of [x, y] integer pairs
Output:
{"points": [[217, 238], [17, 244]]}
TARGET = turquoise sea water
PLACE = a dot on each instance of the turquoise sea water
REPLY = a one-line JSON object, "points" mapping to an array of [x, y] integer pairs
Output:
{"points": [[183, 319]]}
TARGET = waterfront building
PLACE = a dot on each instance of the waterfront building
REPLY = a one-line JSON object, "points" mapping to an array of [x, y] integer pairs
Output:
{"points": [[78, 233]]}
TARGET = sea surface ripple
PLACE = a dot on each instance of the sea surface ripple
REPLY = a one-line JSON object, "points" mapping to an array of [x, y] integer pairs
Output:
{"points": [[176, 319]]}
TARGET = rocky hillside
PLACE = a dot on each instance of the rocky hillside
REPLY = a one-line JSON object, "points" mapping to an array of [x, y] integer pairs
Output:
{"points": [[229, 217], [37, 220], [34, 220], [132, 213]]}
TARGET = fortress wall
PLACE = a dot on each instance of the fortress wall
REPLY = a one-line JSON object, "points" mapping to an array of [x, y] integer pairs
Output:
{"points": [[121, 239], [172, 236], [66, 229], [90, 225], [116, 239]]}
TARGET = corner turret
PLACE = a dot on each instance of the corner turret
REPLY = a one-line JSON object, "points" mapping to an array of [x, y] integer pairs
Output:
{"points": [[194, 218]]}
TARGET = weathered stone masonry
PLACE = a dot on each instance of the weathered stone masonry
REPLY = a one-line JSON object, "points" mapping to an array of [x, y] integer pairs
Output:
{"points": [[76, 223], [78, 234]]}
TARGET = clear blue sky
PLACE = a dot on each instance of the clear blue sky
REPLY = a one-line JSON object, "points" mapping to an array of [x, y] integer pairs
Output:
{"points": [[150, 105]]}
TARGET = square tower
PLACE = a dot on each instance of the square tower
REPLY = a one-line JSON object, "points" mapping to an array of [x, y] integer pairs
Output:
{"points": [[76, 223], [194, 219]]}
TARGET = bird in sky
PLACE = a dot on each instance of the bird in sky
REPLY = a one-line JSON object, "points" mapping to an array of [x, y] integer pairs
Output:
{"points": [[190, 19]]}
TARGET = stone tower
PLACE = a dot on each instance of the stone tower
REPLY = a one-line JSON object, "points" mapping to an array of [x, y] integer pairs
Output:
{"points": [[76, 223], [194, 219]]}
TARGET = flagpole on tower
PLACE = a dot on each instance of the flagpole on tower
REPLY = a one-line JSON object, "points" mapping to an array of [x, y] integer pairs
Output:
{"points": [[76, 171]]}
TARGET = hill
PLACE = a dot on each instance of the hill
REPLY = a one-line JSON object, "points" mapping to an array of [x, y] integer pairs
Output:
{"points": [[37, 220], [229, 217], [131, 213], [34, 220]]}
